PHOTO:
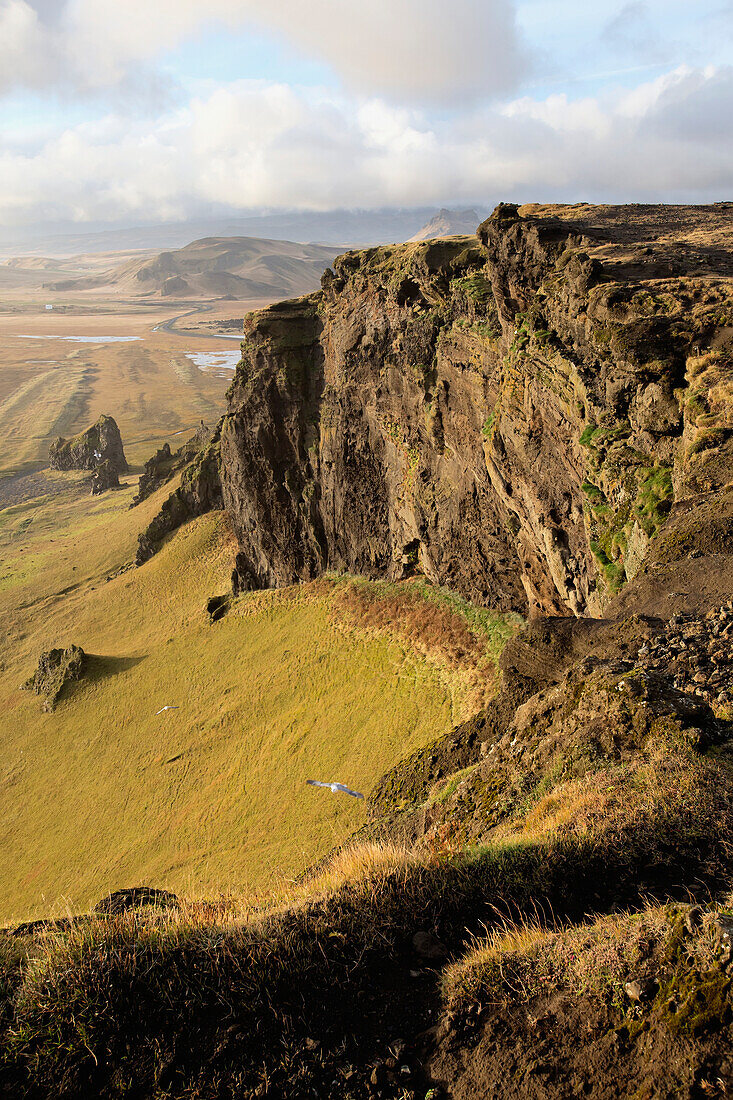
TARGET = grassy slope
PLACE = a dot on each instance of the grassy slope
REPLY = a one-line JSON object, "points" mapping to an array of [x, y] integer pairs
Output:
{"points": [[103, 793]]}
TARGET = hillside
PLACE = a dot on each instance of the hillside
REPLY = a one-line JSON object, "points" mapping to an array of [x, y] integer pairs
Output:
{"points": [[34, 272], [212, 794], [501, 467], [239, 267]]}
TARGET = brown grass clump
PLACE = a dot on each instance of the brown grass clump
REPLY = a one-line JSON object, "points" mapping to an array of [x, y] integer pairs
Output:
{"points": [[464, 640], [524, 959]]}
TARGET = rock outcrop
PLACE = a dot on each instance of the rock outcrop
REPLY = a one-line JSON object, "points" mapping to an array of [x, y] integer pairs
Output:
{"points": [[198, 492], [516, 415], [158, 470], [56, 669], [135, 897], [104, 478], [100, 443], [161, 467]]}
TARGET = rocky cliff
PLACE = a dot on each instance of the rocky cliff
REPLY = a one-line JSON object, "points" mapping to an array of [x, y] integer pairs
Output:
{"points": [[515, 415]]}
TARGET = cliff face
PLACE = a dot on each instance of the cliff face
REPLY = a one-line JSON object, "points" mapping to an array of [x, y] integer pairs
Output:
{"points": [[514, 415]]}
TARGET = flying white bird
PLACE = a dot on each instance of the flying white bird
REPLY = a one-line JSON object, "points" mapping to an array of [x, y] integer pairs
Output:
{"points": [[335, 787], [169, 707]]}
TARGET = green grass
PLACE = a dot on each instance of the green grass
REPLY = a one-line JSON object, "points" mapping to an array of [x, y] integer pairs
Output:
{"points": [[102, 793], [476, 287]]}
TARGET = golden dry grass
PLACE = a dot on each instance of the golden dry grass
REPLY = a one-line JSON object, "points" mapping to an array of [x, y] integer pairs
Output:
{"points": [[208, 798], [524, 959], [50, 386]]}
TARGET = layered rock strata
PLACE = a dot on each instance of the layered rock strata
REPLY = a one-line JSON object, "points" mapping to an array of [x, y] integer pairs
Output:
{"points": [[514, 415]]}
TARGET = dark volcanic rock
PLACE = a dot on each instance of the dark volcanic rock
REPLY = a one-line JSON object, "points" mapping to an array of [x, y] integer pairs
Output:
{"points": [[104, 478], [158, 470], [199, 492], [165, 464], [133, 898], [217, 607], [354, 439], [514, 415], [56, 668], [100, 443]]}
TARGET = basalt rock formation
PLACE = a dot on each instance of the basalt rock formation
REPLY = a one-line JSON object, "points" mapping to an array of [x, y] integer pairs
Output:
{"points": [[198, 492], [515, 415], [86, 451], [161, 467]]}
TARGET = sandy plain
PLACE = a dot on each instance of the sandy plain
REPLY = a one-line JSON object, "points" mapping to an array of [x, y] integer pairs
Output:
{"points": [[53, 385]]}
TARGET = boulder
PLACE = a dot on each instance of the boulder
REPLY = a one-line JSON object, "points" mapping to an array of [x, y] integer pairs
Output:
{"points": [[56, 668], [100, 443], [217, 607], [134, 898]]}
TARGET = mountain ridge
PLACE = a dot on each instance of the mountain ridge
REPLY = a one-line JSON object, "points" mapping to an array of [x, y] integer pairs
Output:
{"points": [[243, 267]]}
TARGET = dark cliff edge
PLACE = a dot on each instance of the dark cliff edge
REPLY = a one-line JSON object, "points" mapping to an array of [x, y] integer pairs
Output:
{"points": [[515, 415]]}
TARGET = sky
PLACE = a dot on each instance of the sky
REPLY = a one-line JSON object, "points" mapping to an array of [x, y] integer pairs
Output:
{"points": [[129, 111]]}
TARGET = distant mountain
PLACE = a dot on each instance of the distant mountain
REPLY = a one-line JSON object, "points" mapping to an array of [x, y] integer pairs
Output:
{"points": [[346, 228], [215, 267], [33, 263], [449, 223]]}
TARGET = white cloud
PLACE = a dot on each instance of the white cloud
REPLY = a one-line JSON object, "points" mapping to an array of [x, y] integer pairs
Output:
{"points": [[26, 47], [444, 51], [254, 145]]}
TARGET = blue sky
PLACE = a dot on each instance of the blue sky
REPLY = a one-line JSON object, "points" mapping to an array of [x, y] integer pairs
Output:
{"points": [[164, 109]]}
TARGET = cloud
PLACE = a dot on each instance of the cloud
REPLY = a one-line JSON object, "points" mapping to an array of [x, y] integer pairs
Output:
{"points": [[632, 31], [427, 51], [255, 145], [424, 50], [44, 46]]}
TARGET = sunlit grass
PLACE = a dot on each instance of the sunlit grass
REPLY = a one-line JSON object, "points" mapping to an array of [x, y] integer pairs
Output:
{"points": [[212, 796]]}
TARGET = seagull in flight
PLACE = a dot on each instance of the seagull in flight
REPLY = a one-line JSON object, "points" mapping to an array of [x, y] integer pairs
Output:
{"points": [[169, 707], [335, 787]]}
